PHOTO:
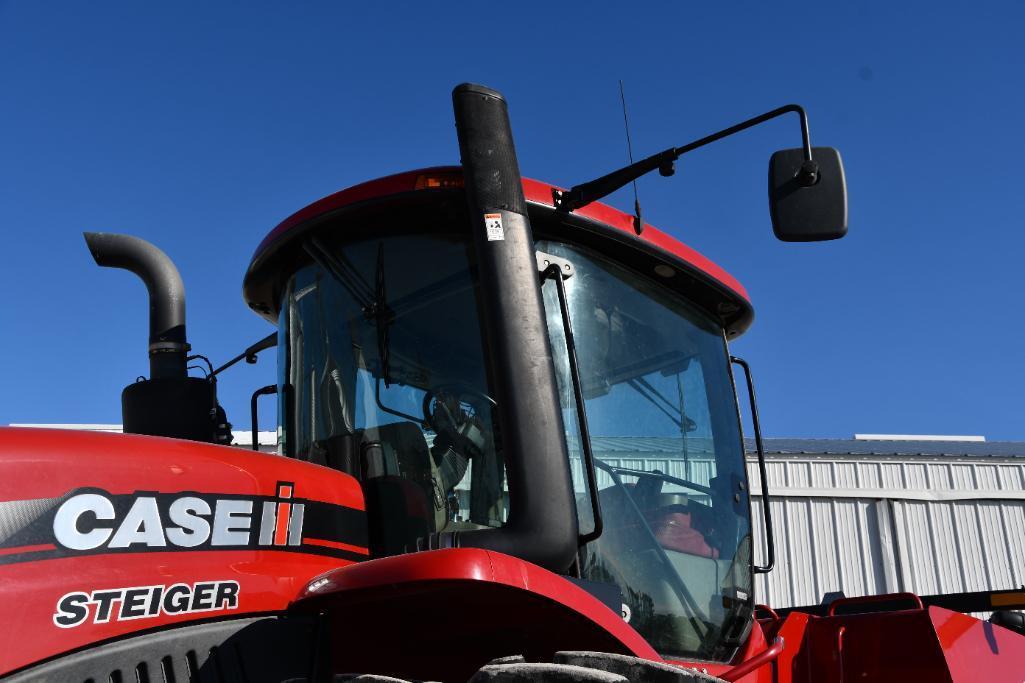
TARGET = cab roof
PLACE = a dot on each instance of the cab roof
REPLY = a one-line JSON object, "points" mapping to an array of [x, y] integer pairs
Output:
{"points": [[735, 299]]}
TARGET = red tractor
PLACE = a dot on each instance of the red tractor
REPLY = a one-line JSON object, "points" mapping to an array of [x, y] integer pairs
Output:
{"points": [[454, 344]]}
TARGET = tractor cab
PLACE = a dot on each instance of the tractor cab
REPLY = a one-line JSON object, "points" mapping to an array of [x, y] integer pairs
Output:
{"points": [[386, 373]]}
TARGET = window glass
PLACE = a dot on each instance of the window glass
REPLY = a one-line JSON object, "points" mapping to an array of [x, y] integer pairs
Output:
{"points": [[670, 470], [385, 380]]}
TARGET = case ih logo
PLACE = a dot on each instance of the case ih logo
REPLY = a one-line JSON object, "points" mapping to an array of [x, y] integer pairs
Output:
{"points": [[93, 521], [99, 521]]}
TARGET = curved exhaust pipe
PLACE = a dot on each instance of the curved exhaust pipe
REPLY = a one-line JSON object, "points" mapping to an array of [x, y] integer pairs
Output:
{"points": [[169, 403], [167, 341]]}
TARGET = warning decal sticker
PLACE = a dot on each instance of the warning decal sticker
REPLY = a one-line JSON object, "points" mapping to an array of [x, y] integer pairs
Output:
{"points": [[493, 224]]}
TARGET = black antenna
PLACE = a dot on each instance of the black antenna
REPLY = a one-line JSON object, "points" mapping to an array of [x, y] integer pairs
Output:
{"points": [[638, 223]]}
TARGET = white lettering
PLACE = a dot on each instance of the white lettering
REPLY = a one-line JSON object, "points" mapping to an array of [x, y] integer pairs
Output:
{"points": [[66, 521], [141, 525], [232, 522], [90, 521], [194, 530]]}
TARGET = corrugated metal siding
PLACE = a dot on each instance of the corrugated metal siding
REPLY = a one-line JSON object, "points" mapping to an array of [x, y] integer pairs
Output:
{"points": [[865, 525]]}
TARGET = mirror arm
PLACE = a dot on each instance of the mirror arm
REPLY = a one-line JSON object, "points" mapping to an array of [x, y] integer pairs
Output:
{"points": [[585, 193], [750, 123], [249, 354]]}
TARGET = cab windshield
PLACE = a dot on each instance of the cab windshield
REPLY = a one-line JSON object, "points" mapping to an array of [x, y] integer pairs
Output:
{"points": [[382, 376], [666, 440]]}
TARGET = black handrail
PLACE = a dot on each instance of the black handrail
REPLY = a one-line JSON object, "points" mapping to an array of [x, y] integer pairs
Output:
{"points": [[767, 511], [554, 272], [262, 391]]}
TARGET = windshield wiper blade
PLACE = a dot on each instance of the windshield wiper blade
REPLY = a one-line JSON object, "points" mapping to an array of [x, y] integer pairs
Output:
{"points": [[643, 387], [382, 316], [640, 390], [341, 270], [658, 474], [374, 303]]}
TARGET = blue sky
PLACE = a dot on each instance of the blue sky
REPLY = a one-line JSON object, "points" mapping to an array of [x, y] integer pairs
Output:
{"points": [[200, 126]]}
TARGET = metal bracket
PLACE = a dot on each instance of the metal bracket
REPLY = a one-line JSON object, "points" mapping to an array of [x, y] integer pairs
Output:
{"points": [[546, 261], [558, 198]]}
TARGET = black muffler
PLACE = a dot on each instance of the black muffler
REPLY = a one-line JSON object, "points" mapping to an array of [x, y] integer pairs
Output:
{"points": [[169, 403], [542, 523]]}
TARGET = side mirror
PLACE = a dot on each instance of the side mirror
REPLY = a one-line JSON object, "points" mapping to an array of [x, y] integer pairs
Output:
{"points": [[807, 200]]}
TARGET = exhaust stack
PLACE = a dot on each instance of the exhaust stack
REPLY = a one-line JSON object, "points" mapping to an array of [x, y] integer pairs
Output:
{"points": [[542, 524], [167, 342], [169, 403]]}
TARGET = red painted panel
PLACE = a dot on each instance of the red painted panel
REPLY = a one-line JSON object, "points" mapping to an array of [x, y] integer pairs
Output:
{"points": [[793, 661], [39, 463], [978, 650], [62, 589], [464, 565], [933, 645], [29, 593], [898, 646], [440, 615]]}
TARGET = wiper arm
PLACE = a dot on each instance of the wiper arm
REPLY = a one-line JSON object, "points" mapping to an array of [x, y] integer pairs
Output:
{"points": [[640, 390], [373, 303], [250, 353], [341, 270], [644, 388], [382, 316], [658, 474]]}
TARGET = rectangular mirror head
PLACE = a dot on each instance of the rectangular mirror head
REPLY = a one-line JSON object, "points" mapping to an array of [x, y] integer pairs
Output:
{"points": [[803, 212]]}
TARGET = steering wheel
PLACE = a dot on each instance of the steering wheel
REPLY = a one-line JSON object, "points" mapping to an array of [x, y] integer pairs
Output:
{"points": [[461, 395], [456, 414]]}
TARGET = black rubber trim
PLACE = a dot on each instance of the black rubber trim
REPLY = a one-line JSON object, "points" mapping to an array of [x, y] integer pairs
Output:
{"points": [[265, 648]]}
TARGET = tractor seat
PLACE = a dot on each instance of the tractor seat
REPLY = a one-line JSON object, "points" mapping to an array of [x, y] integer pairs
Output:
{"points": [[395, 472], [676, 529]]}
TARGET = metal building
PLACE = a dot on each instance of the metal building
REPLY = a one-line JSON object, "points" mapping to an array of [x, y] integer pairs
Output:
{"points": [[267, 442], [870, 516], [874, 516]]}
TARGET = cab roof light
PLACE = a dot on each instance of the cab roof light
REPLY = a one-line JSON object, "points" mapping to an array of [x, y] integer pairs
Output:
{"points": [[438, 181]]}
